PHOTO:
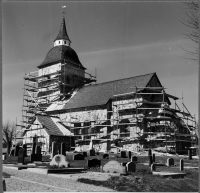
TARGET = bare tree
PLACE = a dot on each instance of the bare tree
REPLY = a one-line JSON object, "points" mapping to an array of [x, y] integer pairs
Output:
{"points": [[191, 21], [8, 134]]}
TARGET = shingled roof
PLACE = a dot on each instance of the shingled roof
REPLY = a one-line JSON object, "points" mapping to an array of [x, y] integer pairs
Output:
{"points": [[61, 54], [99, 94], [50, 126]]}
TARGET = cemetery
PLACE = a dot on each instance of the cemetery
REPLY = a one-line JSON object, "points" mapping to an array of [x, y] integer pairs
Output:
{"points": [[112, 166]]}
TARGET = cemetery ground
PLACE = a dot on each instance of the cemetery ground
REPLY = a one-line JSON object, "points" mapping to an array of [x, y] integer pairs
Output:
{"points": [[96, 180]]}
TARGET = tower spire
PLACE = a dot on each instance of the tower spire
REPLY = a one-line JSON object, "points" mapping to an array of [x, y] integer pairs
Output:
{"points": [[62, 38]]}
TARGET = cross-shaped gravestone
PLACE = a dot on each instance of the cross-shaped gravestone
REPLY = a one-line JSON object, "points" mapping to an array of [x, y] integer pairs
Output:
{"points": [[170, 162], [131, 167]]}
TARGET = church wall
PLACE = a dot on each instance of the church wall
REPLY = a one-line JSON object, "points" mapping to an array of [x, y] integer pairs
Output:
{"points": [[44, 139]]}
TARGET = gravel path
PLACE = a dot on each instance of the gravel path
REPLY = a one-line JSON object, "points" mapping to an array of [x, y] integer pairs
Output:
{"points": [[23, 180]]}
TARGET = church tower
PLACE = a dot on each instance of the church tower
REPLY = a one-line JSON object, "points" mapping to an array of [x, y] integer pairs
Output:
{"points": [[61, 71]]}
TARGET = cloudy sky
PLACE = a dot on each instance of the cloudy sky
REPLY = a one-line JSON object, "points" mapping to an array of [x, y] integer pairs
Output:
{"points": [[120, 39]]}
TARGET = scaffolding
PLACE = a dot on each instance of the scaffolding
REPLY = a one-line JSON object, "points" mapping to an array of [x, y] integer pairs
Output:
{"points": [[168, 125]]}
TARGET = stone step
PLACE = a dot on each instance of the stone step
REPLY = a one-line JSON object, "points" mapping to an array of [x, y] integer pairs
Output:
{"points": [[168, 174], [66, 171]]}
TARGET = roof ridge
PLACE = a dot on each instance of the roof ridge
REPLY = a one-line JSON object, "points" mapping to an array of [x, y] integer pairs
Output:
{"points": [[119, 79]]}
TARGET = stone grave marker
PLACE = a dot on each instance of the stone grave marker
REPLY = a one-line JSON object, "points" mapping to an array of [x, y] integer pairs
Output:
{"points": [[134, 159], [123, 154], [170, 162], [150, 160], [123, 163], [92, 152], [114, 167], [149, 152], [131, 167], [153, 167], [54, 152], [154, 158], [25, 149], [129, 154], [62, 151], [60, 161], [21, 155], [78, 156], [189, 154], [93, 163], [181, 165], [85, 154], [105, 156], [16, 150]]}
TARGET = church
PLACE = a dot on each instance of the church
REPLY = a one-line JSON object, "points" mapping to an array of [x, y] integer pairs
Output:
{"points": [[63, 102]]}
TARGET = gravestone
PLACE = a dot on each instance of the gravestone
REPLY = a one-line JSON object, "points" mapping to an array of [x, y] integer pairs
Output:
{"points": [[16, 150], [131, 167], [170, 162], [21, 155], [54, 150], [93, 163], [181, 165], [105, 156], [114, 167], [33, 148], [92, 152], [123, 154], [154, 158], [85, 154], [134, 159], [150, 160], [25, 149], [189, 154], [153, 167], [149, 152], [78, 157], [129, 154], [62, 151], [60, 161], [123, 163]]}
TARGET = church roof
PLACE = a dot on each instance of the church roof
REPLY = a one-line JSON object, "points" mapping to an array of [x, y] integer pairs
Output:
{"points": [[50, 126], [99, 94], [62, 35], [61, 54]]}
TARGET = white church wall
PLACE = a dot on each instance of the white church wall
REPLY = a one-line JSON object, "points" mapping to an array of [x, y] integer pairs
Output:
{"points": [[44, 139]]}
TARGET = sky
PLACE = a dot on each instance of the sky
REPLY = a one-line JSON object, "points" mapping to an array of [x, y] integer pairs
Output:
{"points": [[119, 39]]}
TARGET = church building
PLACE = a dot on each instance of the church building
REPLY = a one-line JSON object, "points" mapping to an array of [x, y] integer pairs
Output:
{"points": [[64, 102]]}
